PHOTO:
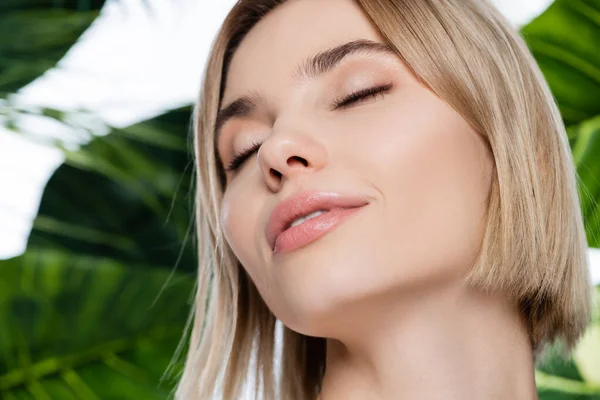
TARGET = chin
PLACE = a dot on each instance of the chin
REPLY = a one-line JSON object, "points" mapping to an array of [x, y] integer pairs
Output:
{"points": [[318, 304]]}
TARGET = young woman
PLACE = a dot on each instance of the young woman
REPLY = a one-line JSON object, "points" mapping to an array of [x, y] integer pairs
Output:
{"points": [[390, 181]]}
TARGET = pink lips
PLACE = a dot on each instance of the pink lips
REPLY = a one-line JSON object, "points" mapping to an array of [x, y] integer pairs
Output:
{"points": [[283, 238]]}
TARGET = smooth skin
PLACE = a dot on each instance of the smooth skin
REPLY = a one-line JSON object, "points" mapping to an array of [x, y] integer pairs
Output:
{"points": [[384, 287]]}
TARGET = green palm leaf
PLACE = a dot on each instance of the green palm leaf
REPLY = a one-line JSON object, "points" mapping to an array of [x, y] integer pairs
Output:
{"points": [[126, 196], [564, 41], [87, 315], [86, 327], [36, 34]]}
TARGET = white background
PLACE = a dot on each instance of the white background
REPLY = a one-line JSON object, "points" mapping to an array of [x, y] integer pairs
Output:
{"points": [[132, 64]]}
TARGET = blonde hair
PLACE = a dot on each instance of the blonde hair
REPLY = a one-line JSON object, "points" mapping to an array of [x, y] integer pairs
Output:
{"points": [[534, 248]]}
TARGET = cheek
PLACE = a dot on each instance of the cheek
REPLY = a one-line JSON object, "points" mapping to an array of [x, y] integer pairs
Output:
{"points": [[433, 173], [242, 227]]}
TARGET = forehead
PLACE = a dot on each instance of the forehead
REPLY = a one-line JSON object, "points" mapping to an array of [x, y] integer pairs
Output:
{"points": [[269, 55]]}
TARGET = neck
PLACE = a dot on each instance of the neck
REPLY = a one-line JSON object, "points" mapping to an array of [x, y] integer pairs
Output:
{"points": [[450, 344]]}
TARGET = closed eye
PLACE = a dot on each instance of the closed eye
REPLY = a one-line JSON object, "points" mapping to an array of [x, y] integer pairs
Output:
{"points": [[238, 160], [362, 95]]}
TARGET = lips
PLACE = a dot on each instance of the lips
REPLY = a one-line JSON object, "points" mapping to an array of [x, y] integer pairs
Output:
{"points": [[303, 204]]}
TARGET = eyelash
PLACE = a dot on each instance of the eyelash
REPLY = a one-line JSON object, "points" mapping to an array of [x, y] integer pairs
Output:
{"points": [[362, 95], [239, 159], [341, 104]]}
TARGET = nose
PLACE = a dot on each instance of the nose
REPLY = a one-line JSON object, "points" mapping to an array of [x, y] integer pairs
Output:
{"points": [[285, 154]]}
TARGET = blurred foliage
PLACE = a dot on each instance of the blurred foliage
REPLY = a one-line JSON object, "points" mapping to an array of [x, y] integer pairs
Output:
{"points": [[95, 307], [586, 154], [76, 326], [565, 41], [579, 376], [126, 195], [36, 34]]}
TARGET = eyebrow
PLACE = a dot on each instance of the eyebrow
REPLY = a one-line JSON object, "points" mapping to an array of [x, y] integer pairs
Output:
{"points": [[317, 65]]}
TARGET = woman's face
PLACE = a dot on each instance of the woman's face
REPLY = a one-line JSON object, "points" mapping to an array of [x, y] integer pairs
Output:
{"points": [[424, 171]]}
